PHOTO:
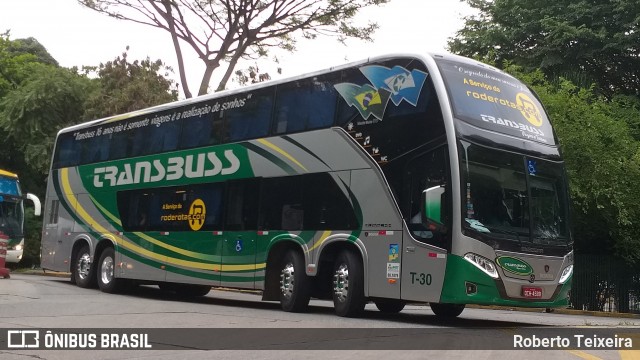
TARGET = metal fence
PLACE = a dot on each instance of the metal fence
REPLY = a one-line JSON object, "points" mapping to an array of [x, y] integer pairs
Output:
{"points": [[605, 283]]}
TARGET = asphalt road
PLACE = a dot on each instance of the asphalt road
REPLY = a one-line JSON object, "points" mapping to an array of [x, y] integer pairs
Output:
{"points": [[43, 302]]}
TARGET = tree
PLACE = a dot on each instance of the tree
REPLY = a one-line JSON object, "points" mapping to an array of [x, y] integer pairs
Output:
{"points": [[125, 86], [603, 165], [48, 100], [585, 41], [229, 30]]}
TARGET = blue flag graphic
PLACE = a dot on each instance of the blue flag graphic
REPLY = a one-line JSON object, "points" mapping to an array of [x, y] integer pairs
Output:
{"points": [[402, 83]]}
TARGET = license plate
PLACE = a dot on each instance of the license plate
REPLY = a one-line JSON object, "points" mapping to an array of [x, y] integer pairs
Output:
{"points": [[531, 292]]}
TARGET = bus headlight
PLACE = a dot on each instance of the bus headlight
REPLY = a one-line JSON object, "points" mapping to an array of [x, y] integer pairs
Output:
{"points": [[566, 274], [482, 263], [17, 247]]}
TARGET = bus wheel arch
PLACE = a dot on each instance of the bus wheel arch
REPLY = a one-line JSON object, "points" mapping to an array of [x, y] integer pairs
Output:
{"points": [[277, 253], [82, 265]]}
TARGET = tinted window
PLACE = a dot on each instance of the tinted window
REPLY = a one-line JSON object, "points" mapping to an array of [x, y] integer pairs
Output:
{"points": [[242, 205], [306, 104], [184, 208], [248, 117], [326, 205], [281, 206], [202, 131]]}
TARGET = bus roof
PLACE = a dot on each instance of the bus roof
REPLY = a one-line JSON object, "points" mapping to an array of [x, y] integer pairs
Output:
{"points": [[8, 174]]}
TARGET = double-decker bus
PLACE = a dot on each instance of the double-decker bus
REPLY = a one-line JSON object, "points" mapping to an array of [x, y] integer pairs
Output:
{"points": [[401, 178], [12, 214]]}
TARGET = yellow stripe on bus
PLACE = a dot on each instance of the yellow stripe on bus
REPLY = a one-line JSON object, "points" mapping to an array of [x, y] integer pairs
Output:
{"points": [[319, 242], [282, 152], [84, 215]]}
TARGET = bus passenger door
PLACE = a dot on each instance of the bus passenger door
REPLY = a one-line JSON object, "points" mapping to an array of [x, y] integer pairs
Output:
{"points": [[239, 248], [425, 242]]}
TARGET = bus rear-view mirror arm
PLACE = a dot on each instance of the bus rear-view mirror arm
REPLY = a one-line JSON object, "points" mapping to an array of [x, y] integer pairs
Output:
{"points": [[36, 204]]}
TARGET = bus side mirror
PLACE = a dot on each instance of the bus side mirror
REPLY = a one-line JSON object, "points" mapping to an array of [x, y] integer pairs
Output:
{"points": [[432, 206], [36, 204]]}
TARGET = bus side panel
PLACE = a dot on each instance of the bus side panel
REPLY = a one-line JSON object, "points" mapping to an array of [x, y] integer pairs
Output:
{"points": [[381, 234], [57, 240], [422, 271]]}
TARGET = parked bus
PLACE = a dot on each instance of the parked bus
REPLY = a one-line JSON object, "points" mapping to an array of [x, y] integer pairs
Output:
{"points": [[12, 214], [402, 178]]}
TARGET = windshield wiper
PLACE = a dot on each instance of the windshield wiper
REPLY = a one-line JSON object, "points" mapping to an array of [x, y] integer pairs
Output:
{"points": [[498, 229]]}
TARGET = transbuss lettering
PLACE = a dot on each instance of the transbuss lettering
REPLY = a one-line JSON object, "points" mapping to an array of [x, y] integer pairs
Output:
{"points": [[191, 166]]}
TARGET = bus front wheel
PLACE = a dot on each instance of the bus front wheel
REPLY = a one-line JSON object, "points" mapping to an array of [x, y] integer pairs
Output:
{"points": [[390, 306], [83, 271], [446, 310], [348, 285], [295, 289]]}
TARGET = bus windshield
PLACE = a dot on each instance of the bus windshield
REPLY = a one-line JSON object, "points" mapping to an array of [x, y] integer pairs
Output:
{"points": [[511, 197]]}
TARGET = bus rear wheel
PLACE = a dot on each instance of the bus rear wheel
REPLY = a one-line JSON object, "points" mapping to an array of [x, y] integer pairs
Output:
{"points": [[295, 289], [83, 273], [446, 310], [348, 285], [390, 306], [107, 282]]}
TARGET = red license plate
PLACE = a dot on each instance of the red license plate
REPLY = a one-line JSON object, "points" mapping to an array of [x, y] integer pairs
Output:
{"points": [[531, 292]]}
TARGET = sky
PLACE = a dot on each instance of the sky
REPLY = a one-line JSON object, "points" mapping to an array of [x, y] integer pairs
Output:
{"points": [[76, 36]]}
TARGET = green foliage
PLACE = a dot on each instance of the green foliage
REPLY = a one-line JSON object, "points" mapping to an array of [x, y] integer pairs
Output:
{"points": [[38, 98], [48, 100], [125, 87], [602, 158], [585, 41]]}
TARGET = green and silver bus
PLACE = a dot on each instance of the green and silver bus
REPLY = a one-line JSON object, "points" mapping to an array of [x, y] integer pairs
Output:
{"points": [[401, 178], [12, 214]]}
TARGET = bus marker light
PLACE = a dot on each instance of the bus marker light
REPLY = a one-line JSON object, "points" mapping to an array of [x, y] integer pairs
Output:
{"points": [[217, 233], [164, 233], [263, 233], [392, 281], [162, 267]]}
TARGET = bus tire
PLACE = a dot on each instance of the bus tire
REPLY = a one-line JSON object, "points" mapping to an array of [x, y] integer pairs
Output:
{"points": [[446, 310], [295, 287], [107, 282], [83, 271], [390, 306], [348, 285]]}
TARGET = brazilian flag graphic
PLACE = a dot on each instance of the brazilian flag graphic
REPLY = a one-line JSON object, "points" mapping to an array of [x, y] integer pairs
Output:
{"points": [[367, 99]]}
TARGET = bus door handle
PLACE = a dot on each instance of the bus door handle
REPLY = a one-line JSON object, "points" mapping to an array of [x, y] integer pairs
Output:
{"points": [[411, 249]]}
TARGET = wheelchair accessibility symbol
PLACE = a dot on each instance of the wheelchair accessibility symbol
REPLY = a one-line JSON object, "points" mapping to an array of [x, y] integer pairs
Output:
{"points": [[238, 245]]}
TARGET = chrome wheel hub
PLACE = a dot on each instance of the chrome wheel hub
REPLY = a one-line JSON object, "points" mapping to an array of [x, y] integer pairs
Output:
{"points": [[84, 266], [106, 270], [287, 280], [341, 283]]}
